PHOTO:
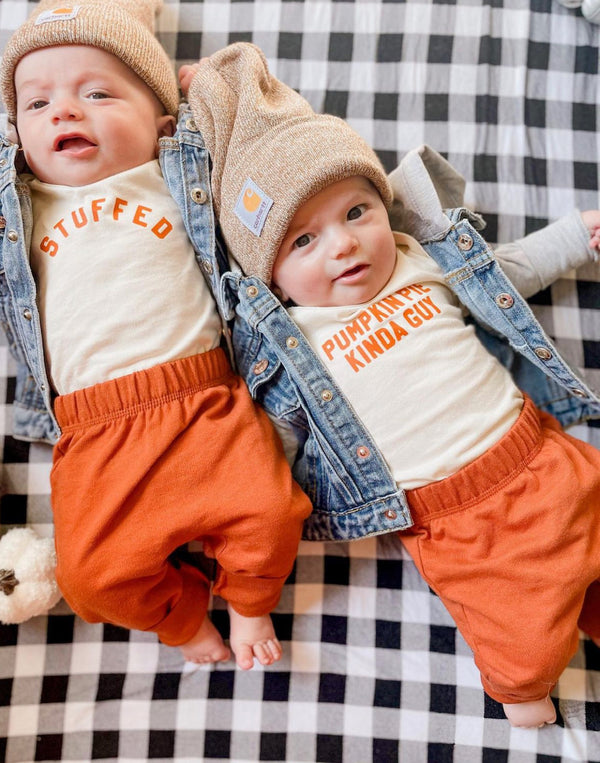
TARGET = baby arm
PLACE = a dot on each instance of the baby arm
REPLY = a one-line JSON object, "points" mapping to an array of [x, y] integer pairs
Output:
{"points": [[534, 262]]}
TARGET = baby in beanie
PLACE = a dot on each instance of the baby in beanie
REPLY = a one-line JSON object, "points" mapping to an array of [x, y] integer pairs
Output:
{"points": [[504, 505], [123, 340]]}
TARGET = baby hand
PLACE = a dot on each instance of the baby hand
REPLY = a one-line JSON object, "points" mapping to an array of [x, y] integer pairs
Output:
{"points": [[186, 75], [591, 220]]}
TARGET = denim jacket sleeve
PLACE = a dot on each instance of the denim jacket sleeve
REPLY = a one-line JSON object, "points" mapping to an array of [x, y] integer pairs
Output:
{"points": [[32, 408]]}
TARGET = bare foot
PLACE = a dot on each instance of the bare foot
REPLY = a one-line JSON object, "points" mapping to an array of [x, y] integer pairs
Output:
{"points": [[531, 715], [206, 646], [252, 637]]}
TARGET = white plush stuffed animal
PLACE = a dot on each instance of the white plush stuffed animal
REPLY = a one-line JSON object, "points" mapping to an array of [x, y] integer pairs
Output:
{"points": [[27, 582]]}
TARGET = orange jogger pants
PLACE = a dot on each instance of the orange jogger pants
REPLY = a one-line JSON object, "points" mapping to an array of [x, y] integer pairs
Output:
{"points": [[153, 460], [511, 544]]}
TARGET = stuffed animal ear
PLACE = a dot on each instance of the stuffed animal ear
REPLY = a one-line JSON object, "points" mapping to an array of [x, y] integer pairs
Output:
{"points": [[27, 575]]}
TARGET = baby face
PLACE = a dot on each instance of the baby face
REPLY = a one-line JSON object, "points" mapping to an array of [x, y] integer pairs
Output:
{"points": [[83, 115], [339, 248]]}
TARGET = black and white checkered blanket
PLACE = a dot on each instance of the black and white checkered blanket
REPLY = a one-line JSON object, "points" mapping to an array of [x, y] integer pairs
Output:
{"points": [[373, 669]]}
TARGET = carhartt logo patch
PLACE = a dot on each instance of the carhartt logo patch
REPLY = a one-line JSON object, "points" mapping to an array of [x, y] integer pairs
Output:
{"points": [[58, 14], [252, 207]]}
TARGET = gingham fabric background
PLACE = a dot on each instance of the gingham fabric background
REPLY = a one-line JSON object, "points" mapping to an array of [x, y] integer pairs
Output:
{"points": [[373, 669]]}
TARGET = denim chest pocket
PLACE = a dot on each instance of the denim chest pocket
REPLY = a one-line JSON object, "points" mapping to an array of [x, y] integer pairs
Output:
{"points": [[265, 376], [271, 387]]}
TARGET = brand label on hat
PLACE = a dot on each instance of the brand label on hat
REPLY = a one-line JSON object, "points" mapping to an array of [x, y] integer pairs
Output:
{"points": [[252, 207], [58, 14]]}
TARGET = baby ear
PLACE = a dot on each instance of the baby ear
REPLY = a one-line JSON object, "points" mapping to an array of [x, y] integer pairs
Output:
{"points": [[166, 126]]}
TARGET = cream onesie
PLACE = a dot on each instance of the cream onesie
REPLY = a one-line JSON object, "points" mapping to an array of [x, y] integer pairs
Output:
{"points": [[424, 386], [119, 289]]}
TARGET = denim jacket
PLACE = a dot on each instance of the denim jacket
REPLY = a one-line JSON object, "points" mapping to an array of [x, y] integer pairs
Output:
{"points": [[337, 463], [185, 165]]}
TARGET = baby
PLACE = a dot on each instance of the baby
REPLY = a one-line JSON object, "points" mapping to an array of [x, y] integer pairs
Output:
{"points": [[160, 443], [503, 506]]}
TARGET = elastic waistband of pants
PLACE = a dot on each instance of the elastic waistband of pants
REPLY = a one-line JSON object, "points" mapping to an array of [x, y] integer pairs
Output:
{"points": [[487, 474], [129, 394]]}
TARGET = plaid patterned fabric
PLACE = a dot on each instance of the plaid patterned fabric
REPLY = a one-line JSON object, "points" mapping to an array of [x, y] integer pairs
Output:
{"points": [[374, 669]]}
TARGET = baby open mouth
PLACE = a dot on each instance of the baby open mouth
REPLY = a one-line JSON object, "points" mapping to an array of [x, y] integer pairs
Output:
{"points": [[76, 143], [352, 271]]}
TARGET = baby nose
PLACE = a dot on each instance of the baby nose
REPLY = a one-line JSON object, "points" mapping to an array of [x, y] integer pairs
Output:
{"points": [[344, 243], [66, 108]]}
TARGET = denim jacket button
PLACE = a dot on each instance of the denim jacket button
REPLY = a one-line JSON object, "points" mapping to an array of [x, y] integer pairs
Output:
{"points": [[465, 242], [12, 235], [543, 353], [199, 195], [390, 514], [191, 125], [578, 392], [292, 342], [362, 451], [505, 301], [27, 314], [326, 395], [261, 366], [251, 291], [207, 267]]}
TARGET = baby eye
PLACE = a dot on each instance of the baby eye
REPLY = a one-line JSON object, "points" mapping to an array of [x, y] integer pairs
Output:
{"points": [[303, 240], [356, 212], [38, 104], [96, 95]]}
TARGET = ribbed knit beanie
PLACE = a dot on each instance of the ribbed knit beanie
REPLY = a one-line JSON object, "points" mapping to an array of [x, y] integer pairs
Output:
{"points": [[270, 151], [124, 28]]}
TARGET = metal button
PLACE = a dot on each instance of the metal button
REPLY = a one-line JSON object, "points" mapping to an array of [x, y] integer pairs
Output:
{"points": [[207, 267], [12, 235], [261, 366], [251, 291], [465, 242], [2, 222], [578, 392], [390, 514], [326, 395], [505, 301], [3, 162], [292, 342], [191, 125], [27, 314], [362, 451], [199, 195], [543, 353]]}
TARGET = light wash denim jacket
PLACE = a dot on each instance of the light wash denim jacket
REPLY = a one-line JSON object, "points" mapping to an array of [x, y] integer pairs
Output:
{"points": [[337, 463], [186, 166]]}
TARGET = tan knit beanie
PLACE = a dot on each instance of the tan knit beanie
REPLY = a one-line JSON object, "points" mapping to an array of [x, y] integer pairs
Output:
{"points": [[124, 28], [270, 152]]}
